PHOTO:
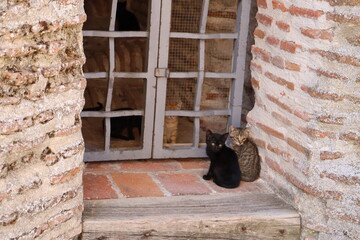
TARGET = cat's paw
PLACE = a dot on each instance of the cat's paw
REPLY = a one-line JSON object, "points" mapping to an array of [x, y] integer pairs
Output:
{"points": [[206, 177]]}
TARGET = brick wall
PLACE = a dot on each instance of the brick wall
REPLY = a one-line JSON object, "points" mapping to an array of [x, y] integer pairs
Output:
{"points": [[41, 96], [306, 118]]}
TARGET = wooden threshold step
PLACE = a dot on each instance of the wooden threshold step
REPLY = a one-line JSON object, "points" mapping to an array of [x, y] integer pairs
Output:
{"points": [[208, 217]]}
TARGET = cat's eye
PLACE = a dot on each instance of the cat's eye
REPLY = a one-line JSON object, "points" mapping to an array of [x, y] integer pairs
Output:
{"points": [[220, 145], [213, 144]]}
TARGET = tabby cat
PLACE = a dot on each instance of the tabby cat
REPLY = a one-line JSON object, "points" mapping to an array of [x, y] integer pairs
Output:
{"points": [[247, 153], [171, 124], [224, 167], [120, 124]]}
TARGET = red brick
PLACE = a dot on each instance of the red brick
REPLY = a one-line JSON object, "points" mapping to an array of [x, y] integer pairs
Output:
{"points": [[283, 26], [272, 40], [259, 142], [214, 96], [327, 194], [264, 19], [194, 163], [15, 125], [346, 179], [98, 187], [350, 136], [255, 67], [289, 46], [279, 103], [136, 185], [44, 117], [340, 58], [325, 155], [297, 146], [149, 166], [278, 61], [281, 118], [183, 184], [302, 115], [34, 184], [270, 131], [353, 99], [260, 53], [285, 155], [66, 176], [72, 150], [292, 66], [280, 81], [255, 83], [322, 94], [49, 157], [343, 2], [305, 12], [344, 216], [343, 18], [314, 133], [328, 74], [259, 33], [9, 100], [279, 5], [262, 3], [17, 146], [9, 219], [66, 131], [328, 119], [222, 14], [317, 33]]}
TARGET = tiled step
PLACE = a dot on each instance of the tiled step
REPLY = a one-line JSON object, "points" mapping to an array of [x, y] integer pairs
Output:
{"points": [[219, 216]]}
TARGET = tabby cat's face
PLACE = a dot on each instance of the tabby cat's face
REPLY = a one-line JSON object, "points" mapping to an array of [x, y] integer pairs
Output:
{"points": [[215, 141], [238, 135]]}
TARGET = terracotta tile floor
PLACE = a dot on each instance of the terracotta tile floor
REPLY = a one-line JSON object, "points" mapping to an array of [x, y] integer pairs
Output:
{"points": [[150, 178]]}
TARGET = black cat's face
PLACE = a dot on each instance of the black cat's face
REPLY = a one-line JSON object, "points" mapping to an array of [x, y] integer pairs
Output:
{"points": [[215, 141]]}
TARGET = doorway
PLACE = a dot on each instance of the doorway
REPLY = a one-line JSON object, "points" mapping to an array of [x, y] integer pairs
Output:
{"points": [[156, 85]]}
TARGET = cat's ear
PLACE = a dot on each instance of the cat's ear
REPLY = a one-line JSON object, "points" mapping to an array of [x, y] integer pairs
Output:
{"points": [[246, 132], [224, 137], [232, 128], [208, 133]]}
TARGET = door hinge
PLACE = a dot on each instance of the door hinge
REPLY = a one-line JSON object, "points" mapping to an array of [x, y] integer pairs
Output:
{"points": [[162, 72]]}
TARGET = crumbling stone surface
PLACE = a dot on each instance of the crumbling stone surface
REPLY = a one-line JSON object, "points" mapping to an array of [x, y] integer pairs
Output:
{"points": [[41, 97], [305, 72]]}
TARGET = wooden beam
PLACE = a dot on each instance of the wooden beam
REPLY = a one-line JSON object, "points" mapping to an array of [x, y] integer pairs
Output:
{"points": [[226, 216]]}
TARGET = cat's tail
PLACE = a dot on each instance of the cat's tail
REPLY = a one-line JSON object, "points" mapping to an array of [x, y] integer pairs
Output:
{"points": [[98, 108]]}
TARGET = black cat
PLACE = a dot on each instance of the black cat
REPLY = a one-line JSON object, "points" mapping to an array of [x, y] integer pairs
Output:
{"points": [[119, 124], [125, 20], [224, 167]]}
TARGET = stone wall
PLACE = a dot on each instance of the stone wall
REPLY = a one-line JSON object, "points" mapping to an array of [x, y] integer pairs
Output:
{"points": [[41, 96], [305, 71]]}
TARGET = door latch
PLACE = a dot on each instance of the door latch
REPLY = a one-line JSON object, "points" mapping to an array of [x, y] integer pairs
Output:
{"points": [[162, 72]]}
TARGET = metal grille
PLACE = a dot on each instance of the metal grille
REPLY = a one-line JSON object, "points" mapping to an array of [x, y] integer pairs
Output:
{"points": [[183, 55], [219, 55], [222, 20], [185, 16], [181, 90], [216, 93]]}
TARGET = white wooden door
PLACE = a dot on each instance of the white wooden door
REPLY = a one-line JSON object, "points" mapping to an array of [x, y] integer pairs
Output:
{"points": [[166, 81], [114, 75], [176, 80]]}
